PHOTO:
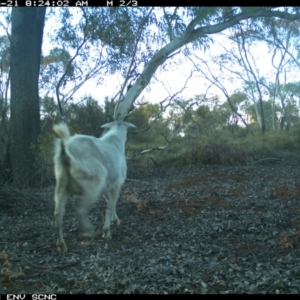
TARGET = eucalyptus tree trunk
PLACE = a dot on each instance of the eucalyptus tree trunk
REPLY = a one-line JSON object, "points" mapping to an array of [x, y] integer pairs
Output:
{"points": [[25, 56]]}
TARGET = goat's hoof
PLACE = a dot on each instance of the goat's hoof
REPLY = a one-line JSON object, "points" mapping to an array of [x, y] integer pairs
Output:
{"points": [[87, 234], [106, 234], [116, 221], [62, 247]]}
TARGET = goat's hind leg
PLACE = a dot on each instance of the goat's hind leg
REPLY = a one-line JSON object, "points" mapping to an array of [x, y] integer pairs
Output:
{"points": [[60, 199], [110, 214], [114, 218], [84, 204]]}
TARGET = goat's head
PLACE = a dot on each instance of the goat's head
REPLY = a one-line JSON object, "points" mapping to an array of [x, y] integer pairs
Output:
{"points": [[115, 125]]}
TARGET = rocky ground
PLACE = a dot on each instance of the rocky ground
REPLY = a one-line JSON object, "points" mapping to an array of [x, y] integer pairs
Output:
{"points": [[209, 229]]}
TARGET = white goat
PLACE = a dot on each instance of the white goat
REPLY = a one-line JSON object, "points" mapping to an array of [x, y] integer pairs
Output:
{"points": [[89, 167]]}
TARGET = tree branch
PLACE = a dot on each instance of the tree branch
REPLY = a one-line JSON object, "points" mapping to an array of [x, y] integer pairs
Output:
{"points": [[189, 35], [139, 34]]}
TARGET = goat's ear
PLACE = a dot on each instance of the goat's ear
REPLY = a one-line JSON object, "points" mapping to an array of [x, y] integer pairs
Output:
{"points": [[129, 125], [107, 125]]}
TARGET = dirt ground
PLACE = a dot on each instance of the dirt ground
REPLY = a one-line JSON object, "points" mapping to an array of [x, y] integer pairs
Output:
{"points": [[207, 229]]}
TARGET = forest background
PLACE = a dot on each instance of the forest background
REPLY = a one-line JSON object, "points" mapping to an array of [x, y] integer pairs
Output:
{"points": [[229, 94]]}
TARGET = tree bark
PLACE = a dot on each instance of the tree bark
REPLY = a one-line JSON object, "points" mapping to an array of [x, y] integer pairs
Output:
{"points": [[25, 56]]}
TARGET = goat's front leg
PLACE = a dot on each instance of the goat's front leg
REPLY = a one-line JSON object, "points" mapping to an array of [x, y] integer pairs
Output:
{"points": [[110, 214], [61, 197]]}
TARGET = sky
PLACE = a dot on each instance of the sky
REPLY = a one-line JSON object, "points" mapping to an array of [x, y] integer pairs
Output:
{"points": [[172, 81], [169, 82]]}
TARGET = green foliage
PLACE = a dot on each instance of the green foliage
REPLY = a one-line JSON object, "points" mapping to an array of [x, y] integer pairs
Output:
{"points": [[143, 117], [210, 136], [46, 147], [117, 28], [292, 89], [206, 120], [143, 114], [267, 106], [282, 140], [86, 117]]}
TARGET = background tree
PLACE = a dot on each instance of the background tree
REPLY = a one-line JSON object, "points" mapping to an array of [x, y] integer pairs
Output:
{"points": [[4, 104], [25, 54]]}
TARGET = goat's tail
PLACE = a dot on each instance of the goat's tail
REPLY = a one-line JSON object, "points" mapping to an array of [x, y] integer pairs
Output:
{"points": [[62, 130]]}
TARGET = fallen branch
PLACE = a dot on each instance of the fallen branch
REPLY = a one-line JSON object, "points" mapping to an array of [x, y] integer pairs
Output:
{"points": [[137, 180], [7, 192], [267, 160]]}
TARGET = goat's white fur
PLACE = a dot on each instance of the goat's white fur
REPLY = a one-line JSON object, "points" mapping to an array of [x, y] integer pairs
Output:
{"points": [[89, 167]]}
